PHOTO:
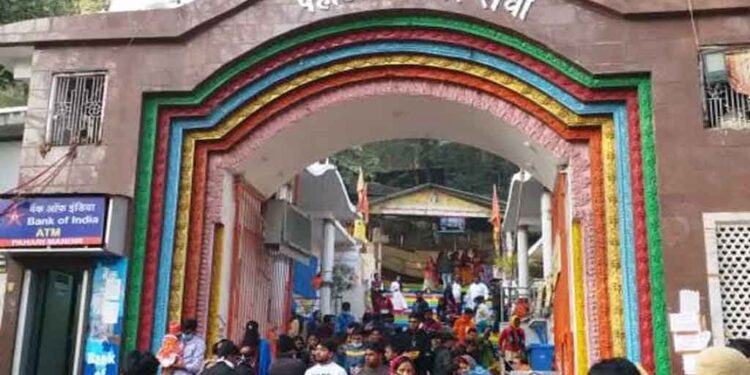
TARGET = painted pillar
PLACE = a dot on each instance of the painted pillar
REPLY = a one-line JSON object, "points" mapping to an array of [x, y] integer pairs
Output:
{"points": [[326, 267], [523, 260], [546, 205]]}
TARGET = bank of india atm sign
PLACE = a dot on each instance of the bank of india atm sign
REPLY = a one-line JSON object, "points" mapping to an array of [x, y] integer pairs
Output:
{"points": [[77, 222]]}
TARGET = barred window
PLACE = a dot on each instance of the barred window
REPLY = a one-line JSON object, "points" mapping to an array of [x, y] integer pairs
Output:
{"points": [[728, 261], [76, 108], [726, 87], [733, 242]]}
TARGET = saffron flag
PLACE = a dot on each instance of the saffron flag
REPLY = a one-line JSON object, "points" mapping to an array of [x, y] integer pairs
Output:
{"points": [[363, 205], [496, 219], [363, 209]]}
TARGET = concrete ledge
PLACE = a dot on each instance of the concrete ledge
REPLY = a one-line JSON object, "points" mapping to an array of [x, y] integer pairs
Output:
{"points": [[12, 120]]}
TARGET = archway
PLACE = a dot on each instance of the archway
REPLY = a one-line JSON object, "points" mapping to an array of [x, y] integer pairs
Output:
{"points": [[610, 116]]}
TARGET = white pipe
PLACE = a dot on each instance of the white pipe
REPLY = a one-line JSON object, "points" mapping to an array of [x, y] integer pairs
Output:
{"points": [[546, 206], [83, 303], [329, 238], [523, 261], [23, 310]]}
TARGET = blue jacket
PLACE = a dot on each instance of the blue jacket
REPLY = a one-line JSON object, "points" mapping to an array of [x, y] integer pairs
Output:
{"points": [[343, 320]]}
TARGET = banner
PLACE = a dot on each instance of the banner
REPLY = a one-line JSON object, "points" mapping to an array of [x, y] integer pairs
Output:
{"points": [[52, 221], [738, 67], [105, 318]]}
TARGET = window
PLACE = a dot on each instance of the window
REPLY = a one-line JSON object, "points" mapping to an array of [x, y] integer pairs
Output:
{"points": [[728, 257], [726, 88], [76, 109]]}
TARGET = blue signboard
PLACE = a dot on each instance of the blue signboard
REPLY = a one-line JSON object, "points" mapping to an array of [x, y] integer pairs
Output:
{"points": [[52, 222], [105, 318]]}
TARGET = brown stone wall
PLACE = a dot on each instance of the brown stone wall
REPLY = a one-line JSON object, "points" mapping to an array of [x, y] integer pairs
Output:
{"points": [[699, 170]]}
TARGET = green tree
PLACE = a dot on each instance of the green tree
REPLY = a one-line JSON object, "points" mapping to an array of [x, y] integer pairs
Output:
{"points": [[12, 92], [405, 163]]}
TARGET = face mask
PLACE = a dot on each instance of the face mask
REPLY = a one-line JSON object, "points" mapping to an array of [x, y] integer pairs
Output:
{"points": [[187, 336], [356, 344]]}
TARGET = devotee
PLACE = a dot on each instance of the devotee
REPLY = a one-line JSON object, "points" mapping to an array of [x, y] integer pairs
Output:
{"points": [[483, 317], [429, 324], [456, 294], [442, 358], [374, 357], [445, 269], [354, 352], [614, 366], [463, 324], [344, 318], [476, 289], [420, 306], [324, 355], [375, 335], [512, 340], [226, 353], [468, 366], [403, 366], [722, 361], [397, 297], [193, 350], [138, 363], [419, 345], [287, 363]]}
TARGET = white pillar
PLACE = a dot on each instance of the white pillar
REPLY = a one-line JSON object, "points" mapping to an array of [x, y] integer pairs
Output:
{"points": [[509, 243], [523, 260], [326, 267], [546, 205]]}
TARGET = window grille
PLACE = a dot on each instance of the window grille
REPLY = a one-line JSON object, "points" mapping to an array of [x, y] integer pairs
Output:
{"points": [[723, 106], [76, 109], [733, 250]]}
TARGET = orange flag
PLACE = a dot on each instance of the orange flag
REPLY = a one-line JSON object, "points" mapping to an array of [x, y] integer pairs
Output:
{"points": [[496, 218], [363, 205]]}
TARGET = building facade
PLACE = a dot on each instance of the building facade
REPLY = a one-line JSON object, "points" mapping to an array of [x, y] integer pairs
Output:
{"points": [[637, 106]]}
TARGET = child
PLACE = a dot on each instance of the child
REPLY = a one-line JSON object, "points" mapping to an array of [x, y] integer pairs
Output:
{"points": [[170, 352]]}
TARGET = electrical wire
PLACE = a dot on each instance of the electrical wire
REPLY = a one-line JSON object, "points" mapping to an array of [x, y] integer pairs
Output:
{"points": [[693, 24], [27, 186]]}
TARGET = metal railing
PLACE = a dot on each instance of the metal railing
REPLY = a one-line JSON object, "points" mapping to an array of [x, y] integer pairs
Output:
{"points": [[725, 108], [511, 297]]}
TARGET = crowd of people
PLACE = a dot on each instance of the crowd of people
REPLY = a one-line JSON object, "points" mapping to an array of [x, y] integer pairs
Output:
{"points": [[463, 335], [371, 347]]}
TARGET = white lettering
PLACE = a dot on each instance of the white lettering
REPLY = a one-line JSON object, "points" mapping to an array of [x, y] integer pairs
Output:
{"points": [[88, 219], [102, 359], [517, 8], [56, 208], [46, 242], [36, 208], [35, 221]]}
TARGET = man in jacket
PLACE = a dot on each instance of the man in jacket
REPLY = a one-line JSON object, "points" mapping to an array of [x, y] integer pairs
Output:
{"points": [[443, 358], [193, 349], [419, 344], [286, 363]]}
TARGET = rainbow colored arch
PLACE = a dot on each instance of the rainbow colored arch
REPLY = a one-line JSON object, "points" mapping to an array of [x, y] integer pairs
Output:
{"points": [[613, 115]]}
